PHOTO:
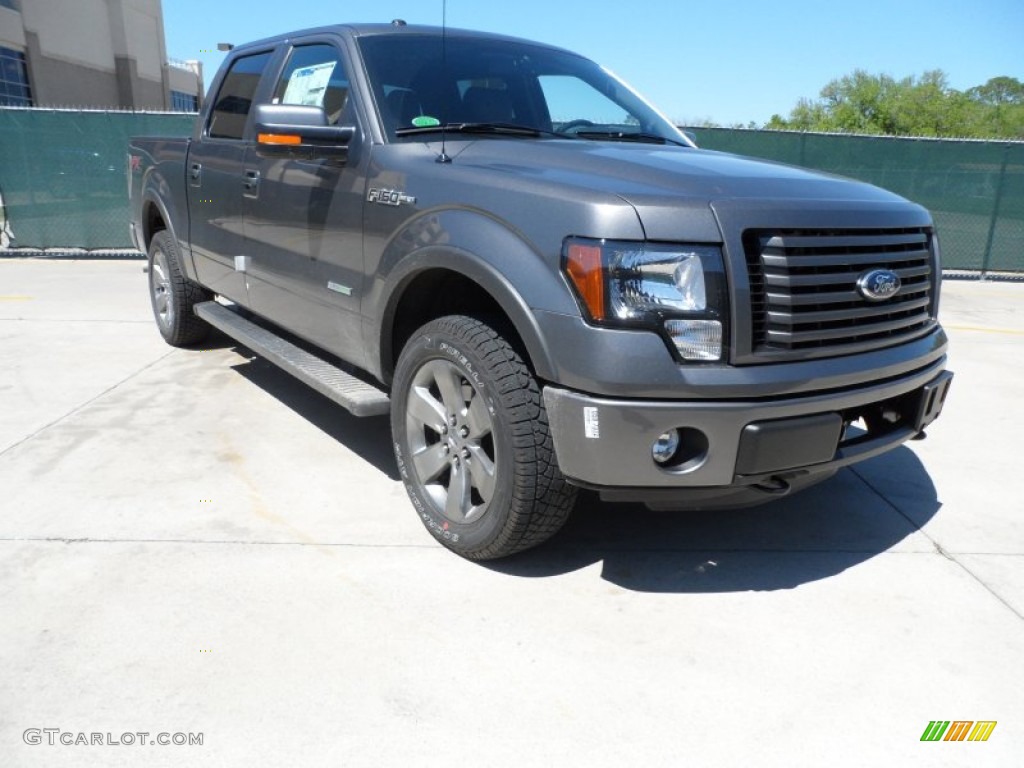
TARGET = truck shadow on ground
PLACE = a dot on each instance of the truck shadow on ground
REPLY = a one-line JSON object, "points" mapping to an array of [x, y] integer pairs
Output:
{"points": [[367, 437], [856, 515]]}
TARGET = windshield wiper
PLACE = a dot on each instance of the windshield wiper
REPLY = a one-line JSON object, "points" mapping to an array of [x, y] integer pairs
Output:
{"points": [[497, 129], [645, 138]]}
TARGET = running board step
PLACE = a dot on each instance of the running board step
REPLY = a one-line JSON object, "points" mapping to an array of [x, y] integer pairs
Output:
{"points": [[348, 391]]}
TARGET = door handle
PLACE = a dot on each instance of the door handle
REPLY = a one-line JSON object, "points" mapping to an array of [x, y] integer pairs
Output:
{"points": [[251, 183]]}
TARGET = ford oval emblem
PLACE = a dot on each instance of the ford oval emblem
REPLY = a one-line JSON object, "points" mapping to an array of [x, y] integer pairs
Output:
{"points": [[878, 284]]}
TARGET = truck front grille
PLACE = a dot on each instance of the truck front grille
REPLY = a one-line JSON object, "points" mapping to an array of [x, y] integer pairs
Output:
{"points": [[805, 299]]}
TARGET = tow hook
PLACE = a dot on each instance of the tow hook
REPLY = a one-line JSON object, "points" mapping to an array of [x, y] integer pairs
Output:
{"points": [[775, 486]]}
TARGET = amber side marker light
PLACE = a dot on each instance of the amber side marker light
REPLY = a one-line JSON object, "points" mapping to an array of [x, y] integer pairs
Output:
{"points": [[583, 265], [278, 138]]}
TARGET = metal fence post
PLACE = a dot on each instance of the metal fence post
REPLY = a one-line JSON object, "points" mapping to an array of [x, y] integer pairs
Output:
{"points": [[995, 212]]}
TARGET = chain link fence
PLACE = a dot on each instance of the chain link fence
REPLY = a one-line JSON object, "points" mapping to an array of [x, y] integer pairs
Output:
{"points": [[64, 174], [63, 179], [974, 189]]}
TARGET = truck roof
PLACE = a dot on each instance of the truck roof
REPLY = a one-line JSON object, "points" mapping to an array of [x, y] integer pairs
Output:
{"points": [[373, 29]]}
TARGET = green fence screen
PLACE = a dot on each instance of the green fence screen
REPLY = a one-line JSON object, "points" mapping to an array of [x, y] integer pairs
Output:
{"points": [[63, 174], [63, 178], [974, 189]]}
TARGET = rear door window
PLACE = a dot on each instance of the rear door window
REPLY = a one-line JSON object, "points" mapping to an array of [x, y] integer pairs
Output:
{"points": [[234, 99]]}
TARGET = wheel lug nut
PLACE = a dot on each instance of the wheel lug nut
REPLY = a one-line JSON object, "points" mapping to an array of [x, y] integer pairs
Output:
{"points": [[465, 454], [464, 431], [446, 448], [451, 421]]}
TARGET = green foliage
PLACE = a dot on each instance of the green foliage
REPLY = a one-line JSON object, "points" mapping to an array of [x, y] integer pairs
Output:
{"points": [[914, 106]]}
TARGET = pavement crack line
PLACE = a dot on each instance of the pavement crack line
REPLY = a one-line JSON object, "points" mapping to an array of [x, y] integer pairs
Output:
{"points": [[211, 542], [65, 320], [939, 549], [564, 550], [86, 404]]}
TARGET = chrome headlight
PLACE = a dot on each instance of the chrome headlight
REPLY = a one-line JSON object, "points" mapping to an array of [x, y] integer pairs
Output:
{"points": [[678, 290]]}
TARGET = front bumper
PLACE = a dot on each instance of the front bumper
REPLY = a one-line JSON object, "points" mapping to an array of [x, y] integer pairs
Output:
{"points": [[605, 443]]}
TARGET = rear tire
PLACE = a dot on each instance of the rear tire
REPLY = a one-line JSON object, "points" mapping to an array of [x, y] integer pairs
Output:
{"points": [[173, 295], [472, 442]]}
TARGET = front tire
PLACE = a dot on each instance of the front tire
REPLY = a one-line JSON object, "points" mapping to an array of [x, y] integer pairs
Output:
{"points": [[472, 442], [173, 295]]}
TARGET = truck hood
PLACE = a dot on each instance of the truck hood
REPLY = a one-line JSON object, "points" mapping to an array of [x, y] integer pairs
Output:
{"points": [[641, 170], [655, 179]]}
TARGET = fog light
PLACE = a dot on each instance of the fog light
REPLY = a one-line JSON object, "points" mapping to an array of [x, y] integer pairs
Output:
{"points": [[665, 447], [696, 339]]}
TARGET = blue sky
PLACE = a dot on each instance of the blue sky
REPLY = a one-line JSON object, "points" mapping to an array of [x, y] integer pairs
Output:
{"points": [[729, 62]]}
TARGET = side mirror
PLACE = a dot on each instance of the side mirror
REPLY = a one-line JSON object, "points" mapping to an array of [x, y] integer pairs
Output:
{"points": [[287, 130]]}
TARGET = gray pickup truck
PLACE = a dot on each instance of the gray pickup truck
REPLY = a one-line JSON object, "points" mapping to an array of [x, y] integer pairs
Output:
{"points": [[540, 278]]}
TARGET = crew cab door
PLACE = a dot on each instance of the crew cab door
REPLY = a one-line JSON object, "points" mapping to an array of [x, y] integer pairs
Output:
{"points": [[303, 214], [215, 180]]}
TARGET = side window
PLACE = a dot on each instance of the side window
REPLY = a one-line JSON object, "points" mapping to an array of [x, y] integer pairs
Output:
{"points": [[572, 100], [234, 99], [314, 77]]}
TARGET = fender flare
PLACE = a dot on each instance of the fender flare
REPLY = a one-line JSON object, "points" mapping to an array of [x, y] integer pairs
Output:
{"points": [[484, 250], [155, 191]]}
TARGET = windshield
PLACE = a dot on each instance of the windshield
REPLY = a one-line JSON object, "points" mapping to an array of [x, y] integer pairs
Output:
{"points": [[418, 85]]}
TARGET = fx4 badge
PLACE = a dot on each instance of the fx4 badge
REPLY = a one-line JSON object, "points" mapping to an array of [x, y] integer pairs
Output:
{"points": [[388, 197]]}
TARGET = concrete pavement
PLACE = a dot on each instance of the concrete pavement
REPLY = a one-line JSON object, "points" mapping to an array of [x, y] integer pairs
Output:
{"points": [[191, 542]]}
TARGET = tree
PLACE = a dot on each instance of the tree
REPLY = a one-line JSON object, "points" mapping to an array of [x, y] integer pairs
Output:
{"points": [[913, 106], [1002, 100], [998, 90]]}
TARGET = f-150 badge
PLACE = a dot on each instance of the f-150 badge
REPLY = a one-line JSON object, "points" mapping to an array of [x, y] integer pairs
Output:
{"points": [[388, 197]]}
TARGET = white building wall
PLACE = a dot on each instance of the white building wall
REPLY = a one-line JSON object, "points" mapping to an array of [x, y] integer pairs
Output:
{"points": [[76, 32], [95, 52], [12, 33], [143, 28], [184, 80]]}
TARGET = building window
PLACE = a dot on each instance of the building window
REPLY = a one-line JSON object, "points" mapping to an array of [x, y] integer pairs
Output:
{"points": [[14, 88], [184, 102]]}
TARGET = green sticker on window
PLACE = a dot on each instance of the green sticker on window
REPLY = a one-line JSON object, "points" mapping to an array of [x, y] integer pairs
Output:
{"points": [[425, 122]]}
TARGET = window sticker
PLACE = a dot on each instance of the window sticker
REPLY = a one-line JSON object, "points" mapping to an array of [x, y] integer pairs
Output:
{"points": [[307, 86]]}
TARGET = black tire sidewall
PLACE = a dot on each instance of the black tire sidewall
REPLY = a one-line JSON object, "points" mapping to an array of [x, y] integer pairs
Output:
{"points": [[479, 534], [183, 327], [162, 242]]}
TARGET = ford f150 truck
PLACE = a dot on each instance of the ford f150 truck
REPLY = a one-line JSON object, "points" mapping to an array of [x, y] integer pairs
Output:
{"points": [[541, 279]]}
